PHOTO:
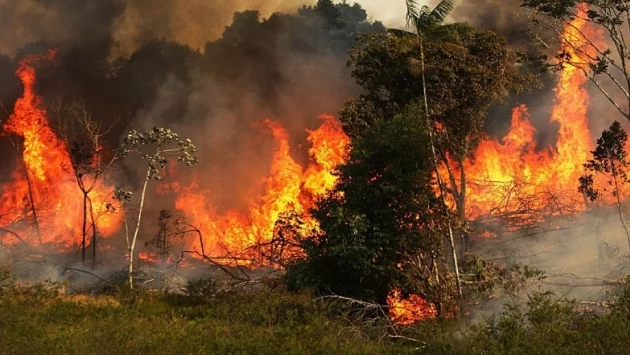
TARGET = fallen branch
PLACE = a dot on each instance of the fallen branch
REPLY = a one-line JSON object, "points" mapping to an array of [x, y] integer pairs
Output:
{"points": [[369, 306], [17, 236], [582, 281]]}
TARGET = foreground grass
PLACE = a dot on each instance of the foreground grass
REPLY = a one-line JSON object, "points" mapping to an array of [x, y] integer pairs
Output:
{"points": [[37, 321], [261, 323]]}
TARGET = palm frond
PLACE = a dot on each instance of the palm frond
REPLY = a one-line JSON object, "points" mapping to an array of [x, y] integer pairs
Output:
{"points": [[413, 13], [423, 19], [440, 12]]}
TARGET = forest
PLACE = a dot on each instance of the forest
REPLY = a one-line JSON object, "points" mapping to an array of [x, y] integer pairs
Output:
{"points": [[314, 180]]}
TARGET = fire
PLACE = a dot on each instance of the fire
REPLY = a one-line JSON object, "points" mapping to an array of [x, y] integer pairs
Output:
{"points": [[289, 187], [410, 310], [43, 195], [512, 175]]}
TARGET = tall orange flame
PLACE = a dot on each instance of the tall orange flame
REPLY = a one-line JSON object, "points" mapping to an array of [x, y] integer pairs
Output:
{"points": [[289, 187], [43, 192], [502, 174]]}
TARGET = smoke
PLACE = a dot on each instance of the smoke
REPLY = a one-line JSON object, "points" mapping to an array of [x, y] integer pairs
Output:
{"points": [[189, 22], [505, 17], [56, 21]]}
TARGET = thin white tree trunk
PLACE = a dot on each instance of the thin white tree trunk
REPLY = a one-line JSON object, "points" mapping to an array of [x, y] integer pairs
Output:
{"points": [[135, 233], [437, 172]]}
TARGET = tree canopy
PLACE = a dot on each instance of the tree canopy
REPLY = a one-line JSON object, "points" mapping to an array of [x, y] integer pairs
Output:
{"points": [[382, 216]]}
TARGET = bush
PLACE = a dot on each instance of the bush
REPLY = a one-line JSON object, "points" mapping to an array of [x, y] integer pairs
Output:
{"points": [[201, 288], [6, 280]]}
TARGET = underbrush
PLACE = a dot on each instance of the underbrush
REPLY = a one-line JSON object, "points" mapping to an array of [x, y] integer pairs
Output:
{"points": [[41, 319]]}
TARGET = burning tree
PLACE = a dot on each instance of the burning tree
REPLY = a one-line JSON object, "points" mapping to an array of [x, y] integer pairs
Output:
{"points": [[382, 222], [605, 67], [90, 161], [454, 72], [42, 192], [154, 146], [171, 227]]}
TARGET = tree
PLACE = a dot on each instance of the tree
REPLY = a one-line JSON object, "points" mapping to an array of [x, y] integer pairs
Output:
{"points": [[610, 159], [465, 72], [90, 162], [606, 68], [424, 21], [455, 71], [154, 146], [382, 220], [171, 227]]}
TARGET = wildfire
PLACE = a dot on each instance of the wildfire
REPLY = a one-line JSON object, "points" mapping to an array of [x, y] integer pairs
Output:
{"points": [[43, 202], [510, 175], [410, 310], [289, 187]]}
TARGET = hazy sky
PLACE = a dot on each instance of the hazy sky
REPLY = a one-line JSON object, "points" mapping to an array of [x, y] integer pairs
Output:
{"points": [[390, 12]]}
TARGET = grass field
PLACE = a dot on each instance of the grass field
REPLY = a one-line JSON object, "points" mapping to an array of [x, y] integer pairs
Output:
{"points": [[38, 320]]}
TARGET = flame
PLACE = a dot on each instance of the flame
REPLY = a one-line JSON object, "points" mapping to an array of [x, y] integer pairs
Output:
{"points": [[516, 176], [410, 310], [289, 187], [45, 177]]}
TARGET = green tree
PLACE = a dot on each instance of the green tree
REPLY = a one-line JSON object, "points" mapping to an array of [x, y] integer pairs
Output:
{"points": [[381, 221], [455, 71], [465, 71], [610, 160]]}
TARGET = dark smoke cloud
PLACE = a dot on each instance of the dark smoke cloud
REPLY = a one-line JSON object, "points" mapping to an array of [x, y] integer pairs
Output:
{"points": [[505, 17], [55, 21], [189, 22], [509, 19]]}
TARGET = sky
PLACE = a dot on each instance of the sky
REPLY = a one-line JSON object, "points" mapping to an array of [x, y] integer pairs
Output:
{"points": [[390, 12]]}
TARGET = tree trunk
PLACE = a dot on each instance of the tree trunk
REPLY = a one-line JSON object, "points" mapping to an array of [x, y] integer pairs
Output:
{"points": [[31, 199], [93, 221], [437, 172], [84, 228], [461, 202], [617, 193], [135, 233]]}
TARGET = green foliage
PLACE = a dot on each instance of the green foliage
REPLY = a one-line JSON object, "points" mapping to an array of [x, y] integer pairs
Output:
{"points": [[262, 323], [465, 73], [339, 23], [39, 319], [609, 159], [202, 288], [425, 19], [6, 279], [482, 277], [382, 216]]}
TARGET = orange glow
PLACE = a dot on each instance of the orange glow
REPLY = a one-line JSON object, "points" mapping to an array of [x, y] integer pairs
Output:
{"points": [[410, 310], [288, 187], [45, 176], [513, 174]]}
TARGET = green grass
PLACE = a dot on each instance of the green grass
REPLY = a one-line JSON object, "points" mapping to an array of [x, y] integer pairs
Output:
{"points": [[262, 323], [39, 321]]}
